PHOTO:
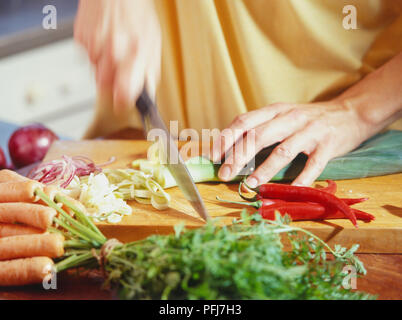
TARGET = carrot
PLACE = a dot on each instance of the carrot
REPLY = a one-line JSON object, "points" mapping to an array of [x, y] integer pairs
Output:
{"points": [[34, 215], [9, 176], [23, 191], [51, 192], [33, 245], [10, 229], [25, 271], [76, 203], [12, 176]]}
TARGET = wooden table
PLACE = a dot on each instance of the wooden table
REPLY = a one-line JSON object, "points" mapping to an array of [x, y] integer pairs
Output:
{"points": [[384, 272]]}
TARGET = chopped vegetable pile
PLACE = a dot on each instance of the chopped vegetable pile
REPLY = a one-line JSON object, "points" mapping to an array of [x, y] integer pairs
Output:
{"points": [[138, 185], [99, 197]]}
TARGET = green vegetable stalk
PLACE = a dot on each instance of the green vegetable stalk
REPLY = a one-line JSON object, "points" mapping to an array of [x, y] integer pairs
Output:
{"points": [[243, 261], [380, 155]]}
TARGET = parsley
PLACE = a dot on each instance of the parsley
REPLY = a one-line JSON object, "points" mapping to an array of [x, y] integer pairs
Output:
{"points": [[244, 261]]}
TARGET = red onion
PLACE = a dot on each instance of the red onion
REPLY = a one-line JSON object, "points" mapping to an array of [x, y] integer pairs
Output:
{"points": [[62, 171], [3, 160], [29, 144]]}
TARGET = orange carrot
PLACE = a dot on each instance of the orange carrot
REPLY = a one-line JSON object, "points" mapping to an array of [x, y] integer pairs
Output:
{"points": [[34, 215], [25, 271], [9, 176], [51, 192], [10, 229], [33, 245], [76, 203], [23, 191], [12, 176]]}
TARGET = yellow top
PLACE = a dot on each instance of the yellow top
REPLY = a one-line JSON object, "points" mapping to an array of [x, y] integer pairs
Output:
{"points": [[225, 57]]}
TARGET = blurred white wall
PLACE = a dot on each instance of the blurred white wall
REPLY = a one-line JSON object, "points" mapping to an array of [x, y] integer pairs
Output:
{"points": [[53, 85]]}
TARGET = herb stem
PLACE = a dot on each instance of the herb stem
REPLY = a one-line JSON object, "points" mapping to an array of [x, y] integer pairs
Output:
{"points": [[82, 216], [83, 229], [73, 261]]}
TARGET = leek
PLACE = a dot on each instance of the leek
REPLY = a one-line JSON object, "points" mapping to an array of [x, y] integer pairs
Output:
{"points": [[380, 155]]}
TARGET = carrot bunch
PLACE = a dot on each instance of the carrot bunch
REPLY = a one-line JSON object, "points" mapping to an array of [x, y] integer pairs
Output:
{"points": [[26, 248]]}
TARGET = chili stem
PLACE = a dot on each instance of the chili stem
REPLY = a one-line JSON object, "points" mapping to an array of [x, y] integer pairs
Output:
{"points": [[255, 204], [253, 199]]}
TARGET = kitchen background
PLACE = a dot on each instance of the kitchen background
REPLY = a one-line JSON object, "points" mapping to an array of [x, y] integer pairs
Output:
{"points": [[44, 75]]}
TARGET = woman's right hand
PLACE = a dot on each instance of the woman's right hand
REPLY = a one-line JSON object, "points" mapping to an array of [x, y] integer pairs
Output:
{"points": [[123, 40]]}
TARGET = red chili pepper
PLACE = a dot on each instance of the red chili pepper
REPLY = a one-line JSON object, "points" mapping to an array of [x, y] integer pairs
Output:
{"points": [[331, 188], [294, 193], [360, 213], [348, 201], [308, 211], [299, 210], [352, 201]]}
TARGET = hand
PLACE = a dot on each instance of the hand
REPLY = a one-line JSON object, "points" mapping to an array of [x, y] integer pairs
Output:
{"points": [[320, 130], [123, 41]]}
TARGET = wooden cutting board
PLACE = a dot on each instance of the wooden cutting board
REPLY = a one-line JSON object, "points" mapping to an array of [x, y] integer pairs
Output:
{"points": [[384, 235]]}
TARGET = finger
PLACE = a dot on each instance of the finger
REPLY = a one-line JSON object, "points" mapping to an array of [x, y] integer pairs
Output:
{"points": [[105, 71], [90, 39], [129, 81], [94, 51], [241, 153], [78, 34], [315, 165], [78, 25], [242, 124], [282, 155], [264, 135]]}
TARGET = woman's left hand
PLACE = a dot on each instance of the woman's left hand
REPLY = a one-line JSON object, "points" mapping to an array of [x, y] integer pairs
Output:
{"points": [[320, 130]]}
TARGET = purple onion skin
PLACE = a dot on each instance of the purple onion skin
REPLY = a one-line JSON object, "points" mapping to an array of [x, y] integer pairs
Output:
{"points": [[30, 144], [3, 160]]}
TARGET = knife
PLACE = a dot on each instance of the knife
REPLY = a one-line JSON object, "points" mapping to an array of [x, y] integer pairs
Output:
{"points": [[151, 119]]}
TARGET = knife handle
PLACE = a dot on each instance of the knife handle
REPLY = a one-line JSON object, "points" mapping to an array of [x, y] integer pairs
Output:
{"points": [[144, 103]]}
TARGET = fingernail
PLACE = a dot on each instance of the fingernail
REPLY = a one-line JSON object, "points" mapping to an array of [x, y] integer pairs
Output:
{"points": [[215, 156], [252, 182], [224, 173]]}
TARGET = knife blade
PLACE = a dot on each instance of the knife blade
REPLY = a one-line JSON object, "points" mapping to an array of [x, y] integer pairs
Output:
{"points": [[151, 119]]}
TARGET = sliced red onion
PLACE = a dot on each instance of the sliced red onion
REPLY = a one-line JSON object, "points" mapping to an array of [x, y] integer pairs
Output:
{"points": [[62, 171], [110, 161]]}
